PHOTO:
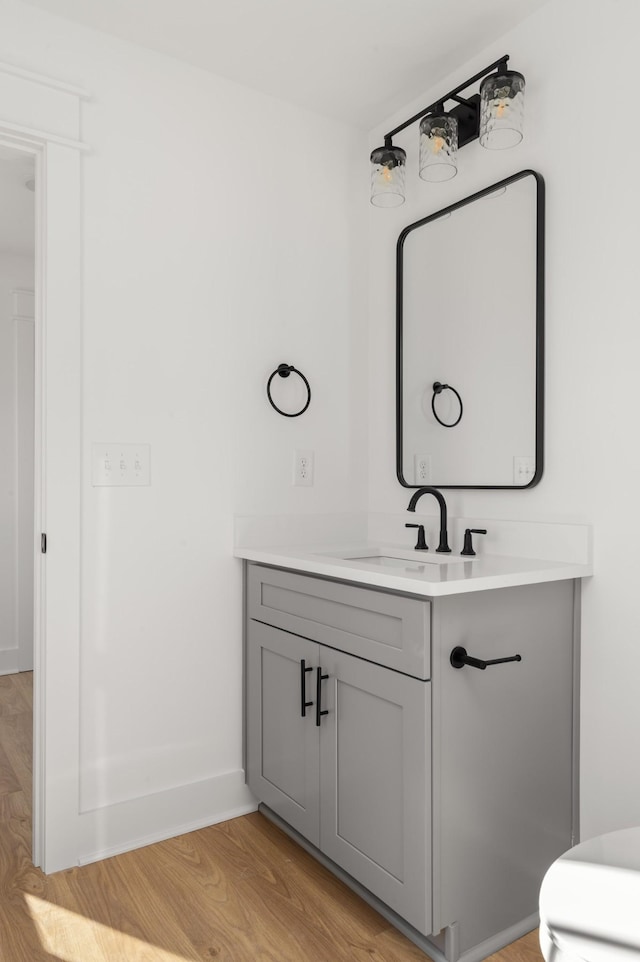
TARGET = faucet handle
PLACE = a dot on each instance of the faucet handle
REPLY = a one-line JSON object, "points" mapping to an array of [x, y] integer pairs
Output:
{"points": [[468, 546], [421, 544]]}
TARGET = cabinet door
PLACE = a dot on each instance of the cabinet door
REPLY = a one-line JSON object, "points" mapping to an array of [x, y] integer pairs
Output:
{"points": [[282, 746], [375, 778]]}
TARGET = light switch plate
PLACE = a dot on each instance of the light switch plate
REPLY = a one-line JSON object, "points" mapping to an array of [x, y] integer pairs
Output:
{"points": [[121, 465]]}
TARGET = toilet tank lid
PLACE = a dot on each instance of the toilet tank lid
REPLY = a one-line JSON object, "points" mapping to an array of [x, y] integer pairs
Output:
{"points": [[590, 898]]}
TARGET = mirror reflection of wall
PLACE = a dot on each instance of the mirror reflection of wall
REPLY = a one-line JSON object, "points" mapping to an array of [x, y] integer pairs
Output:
{"points": [[469, 319]]}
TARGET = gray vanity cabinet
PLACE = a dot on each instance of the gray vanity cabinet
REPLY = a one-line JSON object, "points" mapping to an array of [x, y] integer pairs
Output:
{"points": [[446, 792]]}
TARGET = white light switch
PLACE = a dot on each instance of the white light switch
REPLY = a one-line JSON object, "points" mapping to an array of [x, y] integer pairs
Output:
{"points": [[124, 465]]}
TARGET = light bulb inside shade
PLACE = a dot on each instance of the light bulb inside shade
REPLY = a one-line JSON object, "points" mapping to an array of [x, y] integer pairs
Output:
{"points": [[388, 176], [438, 147], [500, 104], [501, 110]]}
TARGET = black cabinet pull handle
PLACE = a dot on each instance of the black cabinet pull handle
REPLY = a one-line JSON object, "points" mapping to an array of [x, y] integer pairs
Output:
{"points": [[459, 658], [303, 688], [319, 679]]}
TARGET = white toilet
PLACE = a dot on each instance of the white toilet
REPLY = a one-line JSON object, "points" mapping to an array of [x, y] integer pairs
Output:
{"points": [[590, 901]]}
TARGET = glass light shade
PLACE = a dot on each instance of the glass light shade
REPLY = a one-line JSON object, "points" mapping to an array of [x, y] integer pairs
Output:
{"points": [[388, 169], [501, 110], [438, 147]]}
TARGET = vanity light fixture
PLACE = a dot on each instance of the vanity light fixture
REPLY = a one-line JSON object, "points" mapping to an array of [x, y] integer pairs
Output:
{"points": [[495, 116]]}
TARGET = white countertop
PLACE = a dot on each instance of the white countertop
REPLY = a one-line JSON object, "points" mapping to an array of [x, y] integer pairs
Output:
{"points": [[416, 572]]}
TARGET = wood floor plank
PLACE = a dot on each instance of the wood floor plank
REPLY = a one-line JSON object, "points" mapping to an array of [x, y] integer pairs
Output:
{"points": [[9, 781], [19, 938], [240, 891], [14, 805], [16, 745], [206, 899], [23, 682], [117, 894], [14, 695]]}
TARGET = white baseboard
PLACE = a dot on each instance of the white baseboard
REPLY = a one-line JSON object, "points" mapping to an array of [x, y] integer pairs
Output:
{"points": [[9, 661], [153, 818]]}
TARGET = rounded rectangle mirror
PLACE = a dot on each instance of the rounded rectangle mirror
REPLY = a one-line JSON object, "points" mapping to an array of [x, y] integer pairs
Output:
{"points": [[470, 341]]}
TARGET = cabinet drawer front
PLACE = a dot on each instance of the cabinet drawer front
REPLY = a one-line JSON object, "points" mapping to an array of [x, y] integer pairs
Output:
{"points": [[387, 629]]}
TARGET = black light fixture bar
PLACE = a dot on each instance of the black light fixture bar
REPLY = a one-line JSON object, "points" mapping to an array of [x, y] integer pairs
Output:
{"points": [[469, 105]]}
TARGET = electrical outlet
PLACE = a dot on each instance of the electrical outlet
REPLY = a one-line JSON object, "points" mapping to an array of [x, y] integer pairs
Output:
{"points": [[122, 465], [524, 469], [422, 468], [303, 469]]}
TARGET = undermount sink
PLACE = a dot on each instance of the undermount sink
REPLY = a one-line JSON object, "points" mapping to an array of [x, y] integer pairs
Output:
{"points": [[390, 562], [388, 557]]}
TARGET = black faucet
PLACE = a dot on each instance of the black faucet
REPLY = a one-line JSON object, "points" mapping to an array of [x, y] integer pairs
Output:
{"points": [[468, 544], [415, 497], [421, 543]]}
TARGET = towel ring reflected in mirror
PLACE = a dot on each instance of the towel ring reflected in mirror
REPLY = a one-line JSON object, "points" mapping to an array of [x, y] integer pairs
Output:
{"points": [[438, 388]]}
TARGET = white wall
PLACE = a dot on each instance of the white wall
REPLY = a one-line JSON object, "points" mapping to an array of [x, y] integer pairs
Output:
{"points": [[207, 261], [218, 241], [579, 60], [16, 271]]}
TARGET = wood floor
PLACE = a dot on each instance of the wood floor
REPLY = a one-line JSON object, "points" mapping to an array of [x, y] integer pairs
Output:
{"points": [[237, 892]]}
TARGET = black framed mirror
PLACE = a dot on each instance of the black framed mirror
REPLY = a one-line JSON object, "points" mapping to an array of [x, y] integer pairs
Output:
{"points": [[470, 341]]}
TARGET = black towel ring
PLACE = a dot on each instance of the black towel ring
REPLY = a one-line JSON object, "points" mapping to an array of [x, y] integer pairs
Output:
{"points": [[284, 370], [438, 388]]}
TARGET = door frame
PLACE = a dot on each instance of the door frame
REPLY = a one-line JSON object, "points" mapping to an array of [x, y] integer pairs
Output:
{"points": [[41, 117]]}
